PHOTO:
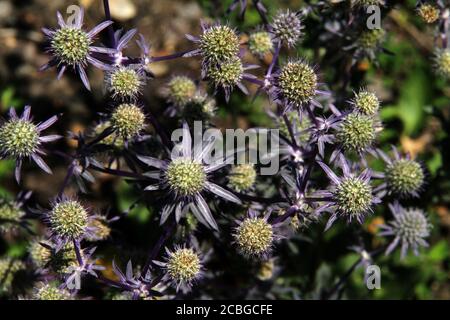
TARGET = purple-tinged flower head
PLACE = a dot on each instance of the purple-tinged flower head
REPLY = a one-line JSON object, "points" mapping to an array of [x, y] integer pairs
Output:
{"points": [[442, 62], [295, 85], [287, 27], [260, 43], [350, 196], [128, 121], [71, 46], [254, 236], [366, 102], [410, 227], [100, 228], [429, 12], [229, 74], [368, 43], [185, 177], [183, 267], [242, 177], [403, 176], [216, 45], [12, 212], [125, 83], [50, 291], [39, 254], [20, 138], [180, 90]]}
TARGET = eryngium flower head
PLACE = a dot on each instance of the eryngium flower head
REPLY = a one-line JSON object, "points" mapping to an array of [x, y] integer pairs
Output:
{"points": [[295, 84], [442, 62], [370, 39], [287, 27], [404, 176], [125, 82], [217, 44], [242, 177], [11, 215], [366, 102], [410, 228], [100, 229], [186, 177], [200, 108], [39, 254], [254, 236], [71, 46], [50, 291], [128, 120], [226, 74], [428, 12], [357, 132], [180, 90], [260, 43], [68, 219], [8, 270], [20, 138]]}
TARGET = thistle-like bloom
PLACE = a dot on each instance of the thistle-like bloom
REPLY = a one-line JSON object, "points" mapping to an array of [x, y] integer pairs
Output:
{"points": [[128, 120], [428, 12], [254, 236], [200, 108], [442, 62], [8, 270], [180, 90], [12, 212], [287, 27], [183, 266], [260, 43], [40, 254], [125, 82], [409, 228], [403, 176], [101, 230], [242, 177], [217, 44], [351, 196], [366, 102], [50, 291], [369, 43], [20, 138], [71, 46], [185, 177]]}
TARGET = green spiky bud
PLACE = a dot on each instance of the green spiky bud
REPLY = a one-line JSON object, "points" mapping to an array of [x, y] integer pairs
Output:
{"points": [[242, 177], [183, 265], [357, 132], [366, 102], [371, 39], [226, 74], [40, 255], [128, 120], [100, 229], [411, 226], [254, 237], [69, 219], [51, 292], [18, 138], [300, 125], [219, 43], [260, 43], [186, 177], [297, 83], [10, 215], [428, 12], [125, 82], [8, 270], [71, 45], [353, 196], [442, 63], [181, 90], [287, 27], [404, 176]]}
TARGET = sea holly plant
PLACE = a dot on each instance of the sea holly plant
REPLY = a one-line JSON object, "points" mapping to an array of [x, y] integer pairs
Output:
{"points": [[211, 208]]}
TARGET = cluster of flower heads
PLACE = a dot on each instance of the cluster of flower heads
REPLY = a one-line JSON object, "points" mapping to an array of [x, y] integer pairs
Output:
{"points": [[337, 140]]}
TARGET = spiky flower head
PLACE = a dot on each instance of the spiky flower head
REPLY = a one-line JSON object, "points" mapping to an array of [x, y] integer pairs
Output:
{"points": [[100, 229], [40, 255], [404, 176], [11, 215], [218, 44], [442, 62], [357, 132], [183, 265], [260, 43], [410, 228], [370, 39], [8, 270], [296, 83], [254, 237], [366, 102], [428, 12], [299, 124], [50, 291], [242, 177], [186, 177], [353, 196], [226, 74], [71, 45], [180, 90], [287, 27], [200, 107], [128, 120], [68, 219], [125, 82]]}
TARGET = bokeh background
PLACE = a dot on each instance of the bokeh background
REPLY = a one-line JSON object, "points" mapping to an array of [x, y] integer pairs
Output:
{"points": [[415, 113]]}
